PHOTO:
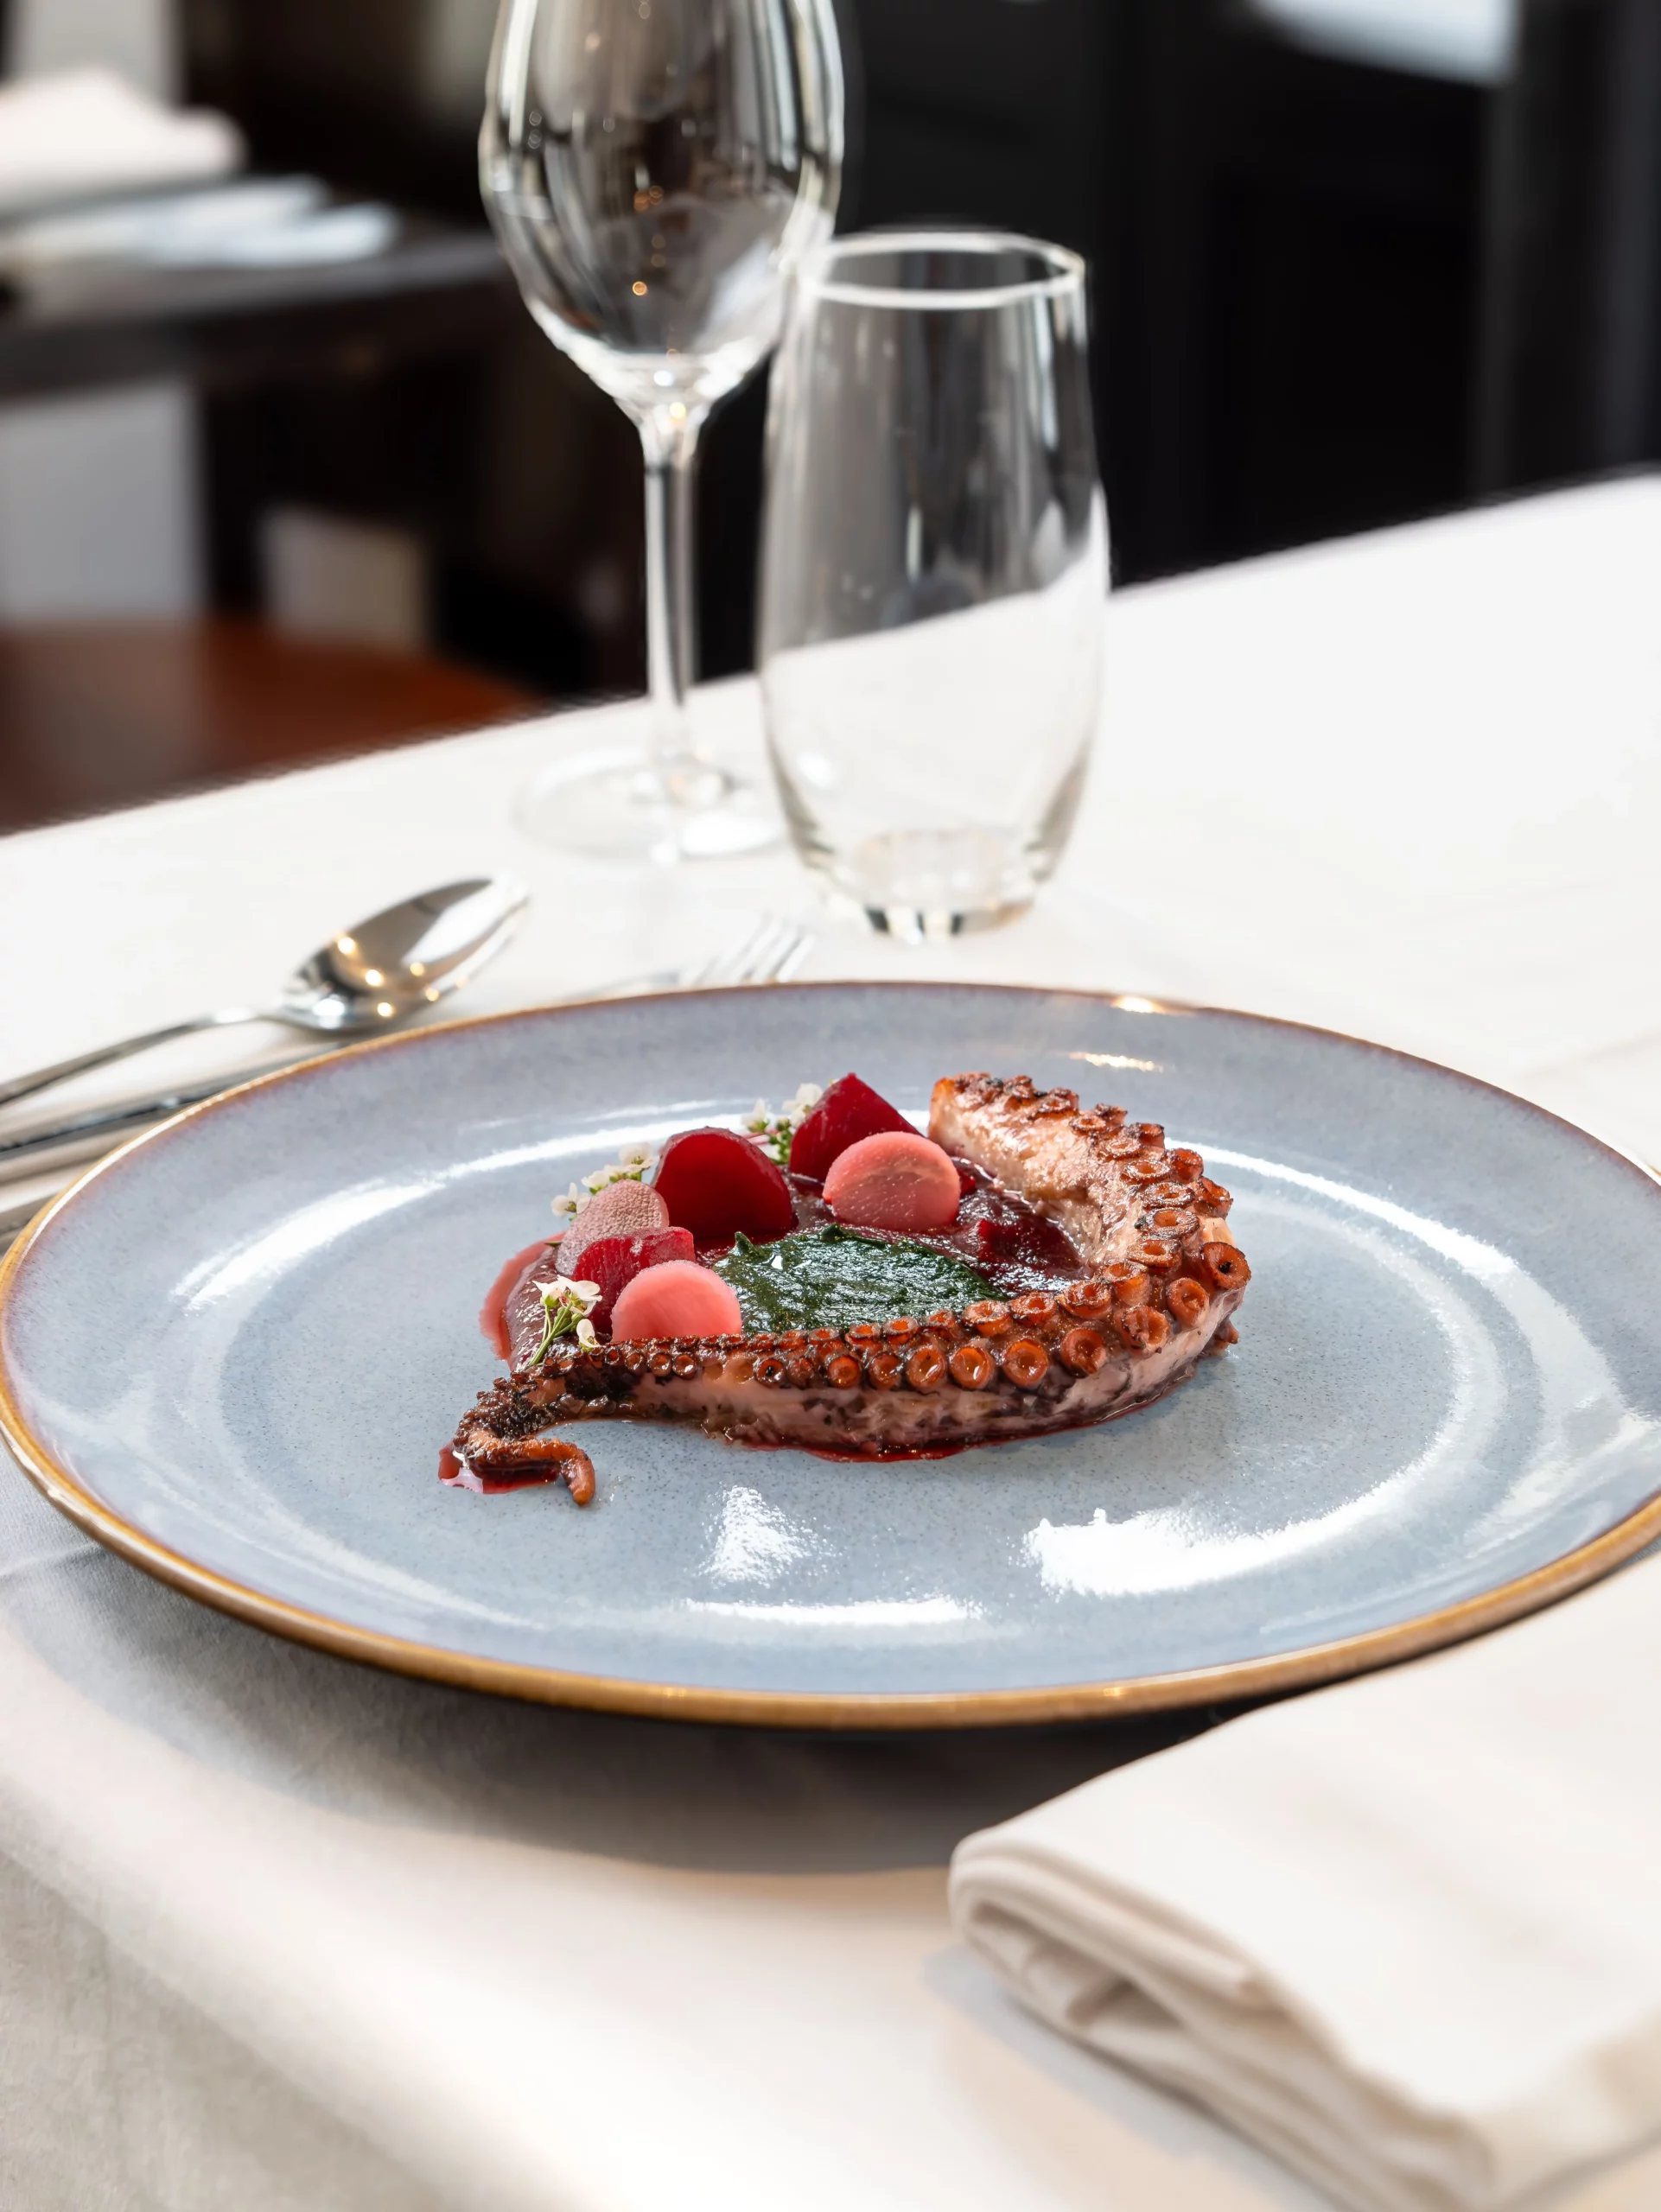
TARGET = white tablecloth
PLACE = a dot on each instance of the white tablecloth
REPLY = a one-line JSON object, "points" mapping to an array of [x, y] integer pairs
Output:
{"points": [[275, 1930]]}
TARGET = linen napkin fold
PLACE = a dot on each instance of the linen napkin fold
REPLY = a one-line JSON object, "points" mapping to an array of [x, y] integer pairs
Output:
{"points": [[1406, 1932]]}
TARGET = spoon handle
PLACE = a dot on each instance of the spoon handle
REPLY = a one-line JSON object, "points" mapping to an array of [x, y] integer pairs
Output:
{"points": [[21, 1086]]}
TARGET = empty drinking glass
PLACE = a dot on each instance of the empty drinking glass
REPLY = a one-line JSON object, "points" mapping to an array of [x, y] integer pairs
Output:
{"points": [[934, 568], [655, 168]]}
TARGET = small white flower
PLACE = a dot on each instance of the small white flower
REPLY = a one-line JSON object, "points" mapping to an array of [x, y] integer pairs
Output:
{"points": [[774, 1131], [565, 1307], [636, 1156]]}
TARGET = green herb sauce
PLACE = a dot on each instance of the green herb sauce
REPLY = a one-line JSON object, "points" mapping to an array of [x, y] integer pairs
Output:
{"points": [[830, 1278]]}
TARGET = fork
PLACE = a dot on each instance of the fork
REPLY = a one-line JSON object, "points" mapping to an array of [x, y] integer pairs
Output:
{"points": [[770, 952]]}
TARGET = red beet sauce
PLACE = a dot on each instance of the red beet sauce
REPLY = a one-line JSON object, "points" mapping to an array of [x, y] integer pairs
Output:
{"points": [[455, 1474], [492, 1315]]}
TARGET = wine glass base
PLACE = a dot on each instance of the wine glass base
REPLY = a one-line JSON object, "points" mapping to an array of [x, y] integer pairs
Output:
{"points": [[624, 805]]}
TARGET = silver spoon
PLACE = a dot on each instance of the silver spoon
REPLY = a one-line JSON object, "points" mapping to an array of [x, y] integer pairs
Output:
{"points": [[369, 977]]}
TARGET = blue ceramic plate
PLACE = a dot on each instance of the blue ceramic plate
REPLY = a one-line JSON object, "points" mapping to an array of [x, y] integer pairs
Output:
{"points": [[234, 1350]]}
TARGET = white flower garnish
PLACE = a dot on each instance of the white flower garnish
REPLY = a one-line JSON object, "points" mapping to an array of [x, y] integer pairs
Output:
{"points": [[565, 1310], [775, 1130]]}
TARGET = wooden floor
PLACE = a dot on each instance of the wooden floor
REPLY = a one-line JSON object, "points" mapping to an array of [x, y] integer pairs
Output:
{"points": [[100, 715]]}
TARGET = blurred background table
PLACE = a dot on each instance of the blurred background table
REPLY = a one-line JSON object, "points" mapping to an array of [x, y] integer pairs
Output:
{"points": [[279, 1931], [1352, 261]]}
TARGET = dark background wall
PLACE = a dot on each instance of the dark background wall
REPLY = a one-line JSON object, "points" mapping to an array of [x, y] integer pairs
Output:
{"points": [[1328, 294]]}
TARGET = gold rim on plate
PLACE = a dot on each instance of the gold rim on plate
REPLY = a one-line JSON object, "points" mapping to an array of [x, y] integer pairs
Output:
{"points": [[1233, 1680]]}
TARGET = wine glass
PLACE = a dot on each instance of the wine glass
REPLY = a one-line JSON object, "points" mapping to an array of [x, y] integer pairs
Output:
{"points": [[934, 568], [655, 169]]}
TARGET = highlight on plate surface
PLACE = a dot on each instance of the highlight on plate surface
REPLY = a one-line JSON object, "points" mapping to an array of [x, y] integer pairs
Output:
{"points": [[829, 1278]]}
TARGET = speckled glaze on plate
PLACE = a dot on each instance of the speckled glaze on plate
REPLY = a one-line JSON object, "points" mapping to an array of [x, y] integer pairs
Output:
{"points": [[234, 1350]]}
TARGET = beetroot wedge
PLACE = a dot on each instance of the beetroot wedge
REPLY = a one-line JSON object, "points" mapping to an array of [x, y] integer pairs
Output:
{"points": [[613, 1263], [716, 1185], [850, 1110], [625, 1208]]}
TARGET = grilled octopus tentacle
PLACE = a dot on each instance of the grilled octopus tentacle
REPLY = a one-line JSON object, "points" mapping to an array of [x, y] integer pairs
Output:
{"points": [[489, 1454], [1165, 1275]]}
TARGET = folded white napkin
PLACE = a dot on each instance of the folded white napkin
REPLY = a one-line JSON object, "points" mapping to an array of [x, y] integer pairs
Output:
{"points": [[85, 131], [1405, 1932]]}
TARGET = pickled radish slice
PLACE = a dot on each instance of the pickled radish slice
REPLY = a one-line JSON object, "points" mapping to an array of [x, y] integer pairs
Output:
{"points": [[850, 1110], [492, 1314], [896, 1180], [679, 1299], [613, 1263], [716, 1184], [627, 1208]]}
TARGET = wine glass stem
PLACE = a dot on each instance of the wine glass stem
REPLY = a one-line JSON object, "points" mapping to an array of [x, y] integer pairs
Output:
{"points": [[670, 590]]}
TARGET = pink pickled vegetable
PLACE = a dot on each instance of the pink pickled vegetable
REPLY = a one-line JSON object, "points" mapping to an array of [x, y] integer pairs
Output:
{"points": [[614, 1261], [679, 1299], [896, 1180]]}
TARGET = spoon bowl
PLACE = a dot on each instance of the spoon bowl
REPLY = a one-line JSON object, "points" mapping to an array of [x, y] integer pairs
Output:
{"points": [[370, 976], [410, 956]]}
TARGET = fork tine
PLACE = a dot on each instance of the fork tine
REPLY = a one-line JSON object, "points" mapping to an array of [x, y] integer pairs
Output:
{"points": [[781, 946], [785, 953], [772, 949], [796, 952], [724, 967], [761, 952], [742, 963]]}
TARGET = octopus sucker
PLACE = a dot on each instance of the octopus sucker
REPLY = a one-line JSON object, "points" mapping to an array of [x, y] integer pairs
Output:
{"points": [[1159, 1277]]}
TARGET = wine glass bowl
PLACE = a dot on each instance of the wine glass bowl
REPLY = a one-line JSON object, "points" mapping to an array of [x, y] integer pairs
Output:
{"points": [[642, 201], [654, 170]]}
